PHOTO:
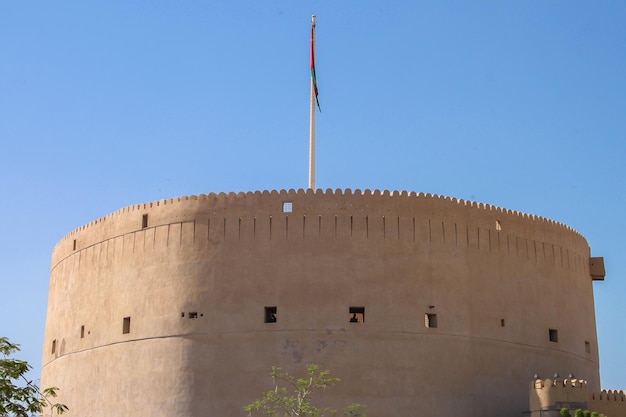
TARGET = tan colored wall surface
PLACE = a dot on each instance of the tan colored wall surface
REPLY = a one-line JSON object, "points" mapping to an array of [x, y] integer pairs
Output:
{"points": [[398, 255]]}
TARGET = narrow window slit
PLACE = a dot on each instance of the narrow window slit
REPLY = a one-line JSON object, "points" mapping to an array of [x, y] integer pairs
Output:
{"points": [[384, 228], [430, 233], [351, 223], [443, 232], [398, 228]]}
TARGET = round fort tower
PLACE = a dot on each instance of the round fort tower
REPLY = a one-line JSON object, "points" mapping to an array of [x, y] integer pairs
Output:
{"points": [[417, 302]]}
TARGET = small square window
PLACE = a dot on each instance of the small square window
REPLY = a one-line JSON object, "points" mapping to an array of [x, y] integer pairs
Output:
{"points": [[144, 221], [126, 325], [498, 225], [287, 207], [74, 246], [554, 335], [193, 314], [430, 320], [501, 322], [54, 346], [270, 314], [587, 347], [357, 314], [82, 331]]}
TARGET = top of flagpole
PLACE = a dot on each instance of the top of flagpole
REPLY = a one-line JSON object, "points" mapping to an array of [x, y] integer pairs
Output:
{"points": [[313, 20]]}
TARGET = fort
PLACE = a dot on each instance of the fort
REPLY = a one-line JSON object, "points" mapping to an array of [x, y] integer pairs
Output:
{"points": [[419, 303]]}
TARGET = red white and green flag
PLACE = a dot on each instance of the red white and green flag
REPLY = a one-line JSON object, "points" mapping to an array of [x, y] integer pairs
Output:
{"points": [[313, 78]]}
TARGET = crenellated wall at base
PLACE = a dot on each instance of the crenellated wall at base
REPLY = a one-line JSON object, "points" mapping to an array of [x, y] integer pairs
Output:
{"points": [[547, 398], [612, 403], [173, 301]]}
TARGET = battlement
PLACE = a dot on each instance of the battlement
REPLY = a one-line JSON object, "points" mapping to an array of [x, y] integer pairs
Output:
{"points": [[554, 394], [566, 384], [224, 199], [610, 402], [610, 395], [358, 214], [548, 396]]}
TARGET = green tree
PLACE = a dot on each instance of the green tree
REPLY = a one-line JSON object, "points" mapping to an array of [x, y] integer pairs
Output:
{"points": [[291, 396], [565, 412], [579, 413], [21, 400]]}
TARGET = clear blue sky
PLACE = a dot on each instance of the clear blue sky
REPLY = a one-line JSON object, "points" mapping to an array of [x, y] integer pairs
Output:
{"points": [[105, 104]]}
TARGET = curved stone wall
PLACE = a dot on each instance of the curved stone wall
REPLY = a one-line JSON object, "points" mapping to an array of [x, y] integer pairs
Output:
{"points": [[165, 308]]}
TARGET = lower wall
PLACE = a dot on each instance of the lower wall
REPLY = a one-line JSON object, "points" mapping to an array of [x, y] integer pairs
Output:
{"points": [[610, 403], [547, 397]]}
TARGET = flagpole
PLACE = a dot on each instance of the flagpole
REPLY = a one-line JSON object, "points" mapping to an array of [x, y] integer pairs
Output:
{"points": [[312, 118]]}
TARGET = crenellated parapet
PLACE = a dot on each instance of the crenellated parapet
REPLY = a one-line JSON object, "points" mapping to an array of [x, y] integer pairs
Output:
{"points": [[612, 403], [548, 396], [355, 213], [222, 198]]}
